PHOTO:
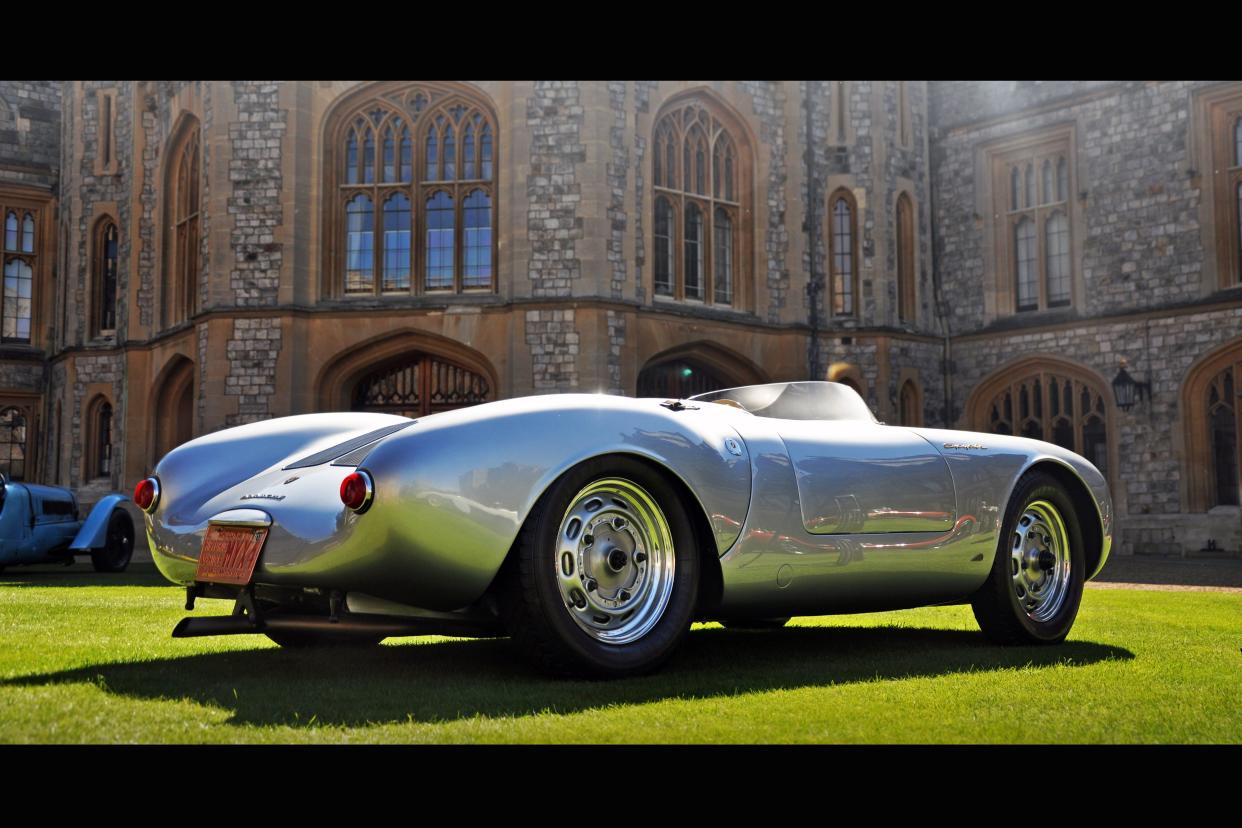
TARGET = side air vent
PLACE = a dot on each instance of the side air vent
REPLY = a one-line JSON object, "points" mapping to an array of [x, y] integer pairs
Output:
{"points": [[321, 457]]}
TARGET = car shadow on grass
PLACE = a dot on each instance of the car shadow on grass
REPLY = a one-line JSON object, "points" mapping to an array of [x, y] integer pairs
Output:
{"points": [[453, 679], [80, 575]]}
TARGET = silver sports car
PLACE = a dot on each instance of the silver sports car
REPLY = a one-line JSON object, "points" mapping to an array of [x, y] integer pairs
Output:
{"points": [[594, 529]]}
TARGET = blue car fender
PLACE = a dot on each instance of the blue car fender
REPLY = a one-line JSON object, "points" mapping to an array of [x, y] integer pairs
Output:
{"points": [[94, 532]]}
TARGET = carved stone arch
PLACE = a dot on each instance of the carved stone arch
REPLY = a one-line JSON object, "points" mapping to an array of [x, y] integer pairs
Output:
{"points": [[1049, 398], [1211, 470], [429, 372], [711, 366], [172, 404]]}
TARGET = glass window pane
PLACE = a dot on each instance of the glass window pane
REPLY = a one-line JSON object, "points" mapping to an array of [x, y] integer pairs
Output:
{"points": [[107, 278], [467, 153], [699, 172], [439, 241], [407, 161], [485, 153], [716, 172], [397, 243], [359, 245], [368, 158], [842, 257], [28, 234], [1024, 248], [723, 257], [663, 247], [1030, 186], [477, 248], [390, 155], [433, 159], [694, 252], [1013, 188], [686, 169], [17, 287], [1057, 252], [10, 231], [1062, 180], [450, 154], [728, 174], [351, 159], [1049, 195]]}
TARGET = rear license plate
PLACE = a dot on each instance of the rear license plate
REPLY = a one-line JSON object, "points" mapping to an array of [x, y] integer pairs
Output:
{"points": [[229, 554]]}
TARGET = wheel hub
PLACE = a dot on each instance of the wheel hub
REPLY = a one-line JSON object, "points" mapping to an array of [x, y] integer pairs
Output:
{"points": [[615, 561], [1040, 560]]}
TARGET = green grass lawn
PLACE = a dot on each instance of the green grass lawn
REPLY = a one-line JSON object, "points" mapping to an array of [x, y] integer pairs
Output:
{"points": [[88, 658]]}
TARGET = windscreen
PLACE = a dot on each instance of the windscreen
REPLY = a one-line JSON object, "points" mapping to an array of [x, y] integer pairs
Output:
{"points": [[795, 401]]}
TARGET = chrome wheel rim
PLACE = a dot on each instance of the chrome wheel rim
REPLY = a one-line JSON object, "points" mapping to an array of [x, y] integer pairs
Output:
{"points": [[1039, 562], [614, 561]]}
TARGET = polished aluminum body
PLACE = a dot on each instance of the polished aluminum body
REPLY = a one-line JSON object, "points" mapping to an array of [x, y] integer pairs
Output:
{"points": [[806, 516]]}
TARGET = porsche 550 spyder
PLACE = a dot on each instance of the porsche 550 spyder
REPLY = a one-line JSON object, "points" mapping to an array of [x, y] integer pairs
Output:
{"points": [[594, 529]]}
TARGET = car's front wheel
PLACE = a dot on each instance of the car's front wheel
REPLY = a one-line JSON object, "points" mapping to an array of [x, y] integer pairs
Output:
{"points": [[605, 574], [1035, 587], [118, 546]]}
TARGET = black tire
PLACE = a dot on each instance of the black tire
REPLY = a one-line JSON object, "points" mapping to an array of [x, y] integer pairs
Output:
{"points": [[118, 547], [536, 613], [1001, 613], [754, 623]]}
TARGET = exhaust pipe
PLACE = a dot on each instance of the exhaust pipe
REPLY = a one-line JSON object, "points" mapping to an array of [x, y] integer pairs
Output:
{"points": [[345, 624]]}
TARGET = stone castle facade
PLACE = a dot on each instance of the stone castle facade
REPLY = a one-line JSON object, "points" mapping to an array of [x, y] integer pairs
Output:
{"points": [[182, 257]]}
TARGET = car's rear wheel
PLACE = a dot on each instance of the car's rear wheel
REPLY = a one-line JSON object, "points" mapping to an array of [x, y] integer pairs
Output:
{"points": [[604, 577], [118, 546], [1035, 587]]}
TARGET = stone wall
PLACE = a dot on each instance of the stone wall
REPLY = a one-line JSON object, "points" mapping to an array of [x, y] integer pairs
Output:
{"points": [[1142, 246], [30, 124], [769, 107], [553, 343], [555, 118], [252, 353], [255, 203]]}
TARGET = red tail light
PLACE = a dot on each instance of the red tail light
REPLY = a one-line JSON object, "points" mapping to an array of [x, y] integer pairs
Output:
{"points": [[357, 491], [147, 494]]}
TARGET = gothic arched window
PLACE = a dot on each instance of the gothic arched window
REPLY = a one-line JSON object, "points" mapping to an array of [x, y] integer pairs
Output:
{"points": [[700, 166], [842, 253], [907, 294], [411, 187], [20, 256], [105, 261], [182, 191]]}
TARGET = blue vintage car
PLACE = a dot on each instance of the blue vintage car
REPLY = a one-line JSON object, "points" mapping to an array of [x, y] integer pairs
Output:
{"points": [[40, 524]]}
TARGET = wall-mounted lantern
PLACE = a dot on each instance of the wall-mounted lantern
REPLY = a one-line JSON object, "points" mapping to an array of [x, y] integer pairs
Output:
{"points": [[1127, 390]]}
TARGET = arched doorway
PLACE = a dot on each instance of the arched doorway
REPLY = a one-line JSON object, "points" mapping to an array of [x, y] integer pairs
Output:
{"points": [[1047, 399], [418, 384], [1213, 422], [174, 407], [408, 373], [695, 369]]}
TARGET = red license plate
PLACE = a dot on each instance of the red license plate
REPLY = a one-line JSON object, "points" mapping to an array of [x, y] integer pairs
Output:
{"points": [[229, 554]]}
